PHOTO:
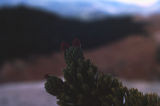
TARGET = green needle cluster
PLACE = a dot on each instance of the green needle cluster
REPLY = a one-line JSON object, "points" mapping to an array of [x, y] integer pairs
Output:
{"points": [[83, 85]]}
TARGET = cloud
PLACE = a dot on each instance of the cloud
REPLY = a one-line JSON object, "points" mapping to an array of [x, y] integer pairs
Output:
{"points": [[86, 8], [143, 3], [140, 3], [83, 8]]}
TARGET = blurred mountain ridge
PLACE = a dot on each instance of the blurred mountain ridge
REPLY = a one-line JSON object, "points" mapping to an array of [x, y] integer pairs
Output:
{"points": [[28, 31]]}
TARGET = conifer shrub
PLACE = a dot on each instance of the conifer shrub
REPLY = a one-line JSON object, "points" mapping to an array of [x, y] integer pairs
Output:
{"points": [[83, 85]]}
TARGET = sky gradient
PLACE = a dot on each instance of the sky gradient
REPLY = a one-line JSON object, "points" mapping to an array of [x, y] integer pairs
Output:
{"points": [[86, 8]]}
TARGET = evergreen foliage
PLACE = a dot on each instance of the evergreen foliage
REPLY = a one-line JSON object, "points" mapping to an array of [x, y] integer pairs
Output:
{"points": [[83, 85]]}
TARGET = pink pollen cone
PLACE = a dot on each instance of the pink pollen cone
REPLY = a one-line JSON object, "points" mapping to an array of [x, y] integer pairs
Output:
{"points": [[64, 46], [76, 43]]}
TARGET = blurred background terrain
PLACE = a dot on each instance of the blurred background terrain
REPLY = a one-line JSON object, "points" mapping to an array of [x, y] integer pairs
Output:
{"points": [[121, 37], [124, 46]]}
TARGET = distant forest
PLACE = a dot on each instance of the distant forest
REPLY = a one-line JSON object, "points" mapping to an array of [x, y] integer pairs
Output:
{"points": [[29, 31]]}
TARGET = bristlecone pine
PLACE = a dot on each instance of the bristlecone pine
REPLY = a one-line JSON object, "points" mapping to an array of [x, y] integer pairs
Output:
{"points": [[83, 85]]}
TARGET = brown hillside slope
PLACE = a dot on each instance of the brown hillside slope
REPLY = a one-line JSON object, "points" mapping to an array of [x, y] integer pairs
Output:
{"points": [[131, 58]]}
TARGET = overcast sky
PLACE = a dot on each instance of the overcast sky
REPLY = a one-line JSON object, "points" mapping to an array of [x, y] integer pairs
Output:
{"points": [[143, 3], [86, 7]]}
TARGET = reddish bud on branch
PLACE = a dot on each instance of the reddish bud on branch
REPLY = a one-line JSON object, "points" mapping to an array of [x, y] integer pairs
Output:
{"points": [[64, 46], [46, 76], [76, 43]]}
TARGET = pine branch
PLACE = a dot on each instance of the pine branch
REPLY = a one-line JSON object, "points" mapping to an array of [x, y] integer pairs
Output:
{"points": [[85, 86]]}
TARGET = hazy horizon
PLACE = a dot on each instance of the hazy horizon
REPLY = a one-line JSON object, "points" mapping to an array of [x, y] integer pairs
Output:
{"points": [[90, 8]]}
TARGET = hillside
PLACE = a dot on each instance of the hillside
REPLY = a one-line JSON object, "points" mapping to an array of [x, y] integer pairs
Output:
{"points": [[132, 58], [25, 32], [30, 43]]}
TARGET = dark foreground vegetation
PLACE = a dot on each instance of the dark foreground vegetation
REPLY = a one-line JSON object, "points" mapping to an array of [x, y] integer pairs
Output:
{"points": [[83, 85]]}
